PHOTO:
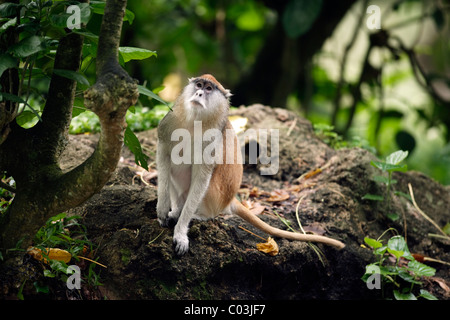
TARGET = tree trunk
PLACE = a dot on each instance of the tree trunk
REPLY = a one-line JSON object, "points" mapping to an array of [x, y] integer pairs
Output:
{"points": [[31, 156]]}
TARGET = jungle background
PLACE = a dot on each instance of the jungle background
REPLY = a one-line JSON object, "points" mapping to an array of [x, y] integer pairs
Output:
{"points": [[386, 89]]}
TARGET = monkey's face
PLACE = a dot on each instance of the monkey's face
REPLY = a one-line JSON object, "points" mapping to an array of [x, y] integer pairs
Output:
{"points": [[204, 94]]}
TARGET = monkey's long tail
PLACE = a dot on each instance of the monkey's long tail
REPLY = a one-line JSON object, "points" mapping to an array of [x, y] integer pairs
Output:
{"points": [[244, 213]]}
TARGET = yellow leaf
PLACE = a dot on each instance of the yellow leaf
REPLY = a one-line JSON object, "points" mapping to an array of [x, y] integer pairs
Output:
{"points": [[51, 253], [270, 247]]}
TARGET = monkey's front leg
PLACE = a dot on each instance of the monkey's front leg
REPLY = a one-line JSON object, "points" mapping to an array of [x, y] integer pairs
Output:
{"points": [[163, 164], [201, 176]]}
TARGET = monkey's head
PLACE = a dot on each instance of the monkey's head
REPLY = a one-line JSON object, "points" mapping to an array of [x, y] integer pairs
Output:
{"points": [[204, 96]]}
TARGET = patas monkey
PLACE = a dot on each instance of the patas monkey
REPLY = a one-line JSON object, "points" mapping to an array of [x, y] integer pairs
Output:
{"points": [[197, 190]]}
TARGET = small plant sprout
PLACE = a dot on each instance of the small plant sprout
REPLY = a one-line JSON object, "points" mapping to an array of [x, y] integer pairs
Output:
{"points": [[389, 166]]}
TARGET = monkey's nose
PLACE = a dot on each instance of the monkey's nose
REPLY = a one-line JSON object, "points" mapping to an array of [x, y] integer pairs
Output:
{"points": [[199, 93]]}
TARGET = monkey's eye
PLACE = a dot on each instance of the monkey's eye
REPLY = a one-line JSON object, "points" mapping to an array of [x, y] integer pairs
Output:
{"points": [[208, 88], [198, 85]]}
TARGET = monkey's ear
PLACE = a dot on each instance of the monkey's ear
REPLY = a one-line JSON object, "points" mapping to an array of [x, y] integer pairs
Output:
{"points": [[228, 93], [191, 79]]}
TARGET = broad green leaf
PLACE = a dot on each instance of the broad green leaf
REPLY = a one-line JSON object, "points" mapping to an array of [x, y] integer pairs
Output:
{"points": [[132, 53], [72, 75], [8, 24], [28, 46], [299, 16], [425, 294], [420, 269], [404, 296], [26, 119], [397, 244], [397, 253], [6, 62], [396, 157], [388, 167], [407, 276], [146, 92], [132, 142], [9, 9], [373, 197]]}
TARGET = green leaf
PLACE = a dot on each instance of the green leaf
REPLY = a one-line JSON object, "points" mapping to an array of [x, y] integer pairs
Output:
{"points": [[398, 244], [397, 253], [28, 46], [49, 274], [72, 75], [132, 142], [372, 242], [396, 157], [393, 216], [299, 16], [425, 294], [147, 92], [132, 53], [407, 276], [388, 167], [6, 62], [373, 197], [404, 296], [420, 269], [446, 228], [9, 9]]}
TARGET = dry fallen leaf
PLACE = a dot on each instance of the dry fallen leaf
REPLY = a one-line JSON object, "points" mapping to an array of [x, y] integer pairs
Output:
{"points": [[278, 195], [51, 253], [257, 208], [270, 247], [253, 206]]}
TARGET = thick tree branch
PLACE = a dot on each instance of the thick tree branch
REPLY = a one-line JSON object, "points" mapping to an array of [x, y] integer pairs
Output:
{"points": [[57, 113], [44, 190]]}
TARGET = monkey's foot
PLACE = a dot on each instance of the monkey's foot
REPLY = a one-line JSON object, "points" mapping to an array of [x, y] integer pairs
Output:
{"points": [[181, 243]]}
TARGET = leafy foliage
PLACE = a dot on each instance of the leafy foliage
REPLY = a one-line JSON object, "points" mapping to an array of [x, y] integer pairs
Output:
{"points": [[401, 276], [66, 233], [42, 23]]}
